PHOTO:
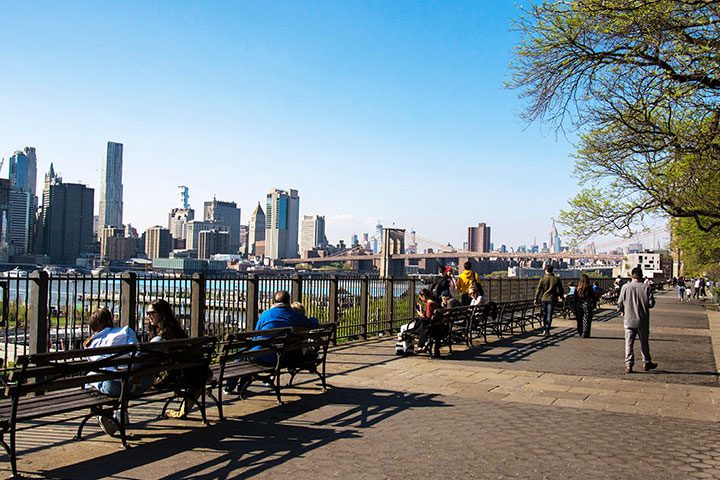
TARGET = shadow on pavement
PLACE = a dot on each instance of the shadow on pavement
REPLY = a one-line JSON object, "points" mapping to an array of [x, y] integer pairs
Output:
{"points": [[251, 444], [513, 349]]}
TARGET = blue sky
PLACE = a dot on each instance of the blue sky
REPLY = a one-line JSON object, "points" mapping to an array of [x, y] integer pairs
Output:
{"points": [[371, 110]]}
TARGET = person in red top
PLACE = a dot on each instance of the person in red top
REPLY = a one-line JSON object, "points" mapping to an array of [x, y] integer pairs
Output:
{"points": [[422, 328], [419, 327]]}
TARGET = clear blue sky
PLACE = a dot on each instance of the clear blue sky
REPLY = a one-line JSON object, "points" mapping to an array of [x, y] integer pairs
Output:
{"points": [[371, 110]]}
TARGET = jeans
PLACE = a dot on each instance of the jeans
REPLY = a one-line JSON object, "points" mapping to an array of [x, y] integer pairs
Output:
{"points": [[547, 309], [630, 334]]}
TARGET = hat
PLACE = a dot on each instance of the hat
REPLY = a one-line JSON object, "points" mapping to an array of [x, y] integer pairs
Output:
{"points": [[445, 293]]}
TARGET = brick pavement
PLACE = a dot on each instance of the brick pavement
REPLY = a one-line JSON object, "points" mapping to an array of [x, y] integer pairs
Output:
{"points": [[561, 408]]}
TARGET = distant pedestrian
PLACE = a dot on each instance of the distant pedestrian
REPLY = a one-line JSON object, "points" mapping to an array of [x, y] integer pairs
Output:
{"points": [[548, 290], [681, 289], [635, 301], [584, 306]]}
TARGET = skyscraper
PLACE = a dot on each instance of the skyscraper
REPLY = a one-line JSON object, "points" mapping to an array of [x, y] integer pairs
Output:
{"points": [[281, 224], [554, 244], [225, 212], [312, 233], [211, 242], [479, 238], [66, 221], [22, 201], [23, 170], [157, 242], [111, 188], [256, 232]]}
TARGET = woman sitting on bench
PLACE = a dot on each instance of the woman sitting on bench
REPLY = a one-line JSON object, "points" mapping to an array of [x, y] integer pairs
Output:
{"points": [[162, 325], [419, 327]]}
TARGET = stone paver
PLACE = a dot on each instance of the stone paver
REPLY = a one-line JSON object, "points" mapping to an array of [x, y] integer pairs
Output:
{"points": [[517, 408]]}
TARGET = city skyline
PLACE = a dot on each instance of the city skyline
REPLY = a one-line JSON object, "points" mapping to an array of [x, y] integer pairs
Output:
{"points": [[367, 110]]}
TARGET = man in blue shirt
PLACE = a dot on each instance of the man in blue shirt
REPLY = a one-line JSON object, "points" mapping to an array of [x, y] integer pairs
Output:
{"points": [[280, 315]]}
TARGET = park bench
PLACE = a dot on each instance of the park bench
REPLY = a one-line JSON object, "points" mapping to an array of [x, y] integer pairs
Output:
{"points": [[46, 384], [313, 344], [484, 319], [448, 325], [294, 350], [180, 368], [235, 361]]}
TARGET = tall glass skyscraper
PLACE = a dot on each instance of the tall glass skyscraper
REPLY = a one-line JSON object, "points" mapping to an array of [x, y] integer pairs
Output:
{"points": [[23, 170], [281, 224], [111, 189]]}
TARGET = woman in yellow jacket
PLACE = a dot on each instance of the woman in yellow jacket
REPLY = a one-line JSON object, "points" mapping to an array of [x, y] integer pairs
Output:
{"points": [[464, 281]]}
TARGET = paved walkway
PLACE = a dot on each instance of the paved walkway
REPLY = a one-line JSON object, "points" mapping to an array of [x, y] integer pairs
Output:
{"points": [[526, 407]]}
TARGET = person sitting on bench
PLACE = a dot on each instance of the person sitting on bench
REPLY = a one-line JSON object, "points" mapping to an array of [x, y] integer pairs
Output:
{"points": [[279, 315]]}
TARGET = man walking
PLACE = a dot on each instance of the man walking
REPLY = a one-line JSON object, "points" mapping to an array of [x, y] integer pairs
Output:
{"points": [[635, 301], [549, 288]]}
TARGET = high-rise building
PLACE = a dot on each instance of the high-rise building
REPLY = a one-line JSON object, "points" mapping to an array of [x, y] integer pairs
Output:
{"points": [[281, 224], [21, 218], [157, 242], [256, 231], [479, 238], [184, 197], [23, 170], [66, 220], [178, 220], [22, 202], [244, 234], [225, 212], [211, 242], [554, 244], [4, 210], [312, 233], [194, 227], [111, 188], [116, 245]]}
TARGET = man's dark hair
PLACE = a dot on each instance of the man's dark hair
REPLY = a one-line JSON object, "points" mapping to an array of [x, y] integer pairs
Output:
{"points": [[441, 269], [549, 268], [467, 266], [283, 296], [636, 272]]}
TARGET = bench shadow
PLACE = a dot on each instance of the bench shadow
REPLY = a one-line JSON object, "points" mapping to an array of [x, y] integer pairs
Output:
{"points": [[518, 347], [248, 445]]}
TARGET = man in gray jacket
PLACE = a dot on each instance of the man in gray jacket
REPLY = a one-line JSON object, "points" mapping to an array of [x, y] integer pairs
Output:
{"points": [[635, 301]]}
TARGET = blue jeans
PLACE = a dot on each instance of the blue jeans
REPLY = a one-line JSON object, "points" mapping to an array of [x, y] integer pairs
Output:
{"points": [[113, 388], [547, 309]]}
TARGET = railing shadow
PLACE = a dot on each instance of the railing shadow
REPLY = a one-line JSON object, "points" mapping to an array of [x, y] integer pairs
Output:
{"points": [[253, 443]]}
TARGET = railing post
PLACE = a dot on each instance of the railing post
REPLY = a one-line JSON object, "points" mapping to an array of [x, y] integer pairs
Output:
{"points": [[500, 296], [411, 298], [252, 301], [296, 293], [197, 305], [389, 294], [333, 304], [364, 294], [128, 300], [333, 299], [37, 316]]}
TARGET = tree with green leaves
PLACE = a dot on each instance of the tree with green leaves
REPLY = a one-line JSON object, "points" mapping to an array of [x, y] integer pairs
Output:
{"points": [[640, 81], [699, 251]]}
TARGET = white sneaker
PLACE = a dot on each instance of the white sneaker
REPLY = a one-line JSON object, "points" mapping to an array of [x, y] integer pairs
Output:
{"points": [[107, 425]]}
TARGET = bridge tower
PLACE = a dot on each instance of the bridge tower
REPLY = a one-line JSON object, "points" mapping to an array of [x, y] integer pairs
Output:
{"points": [[393, 243]]}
